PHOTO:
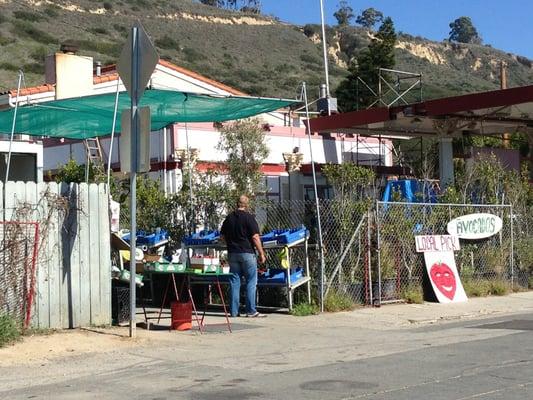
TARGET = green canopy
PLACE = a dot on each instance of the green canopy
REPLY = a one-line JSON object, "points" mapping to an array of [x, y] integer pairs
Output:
{"points": [[91, 116]]}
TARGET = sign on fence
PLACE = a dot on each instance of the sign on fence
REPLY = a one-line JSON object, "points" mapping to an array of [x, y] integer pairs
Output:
{"points": [[475, 226], [440, 265]]}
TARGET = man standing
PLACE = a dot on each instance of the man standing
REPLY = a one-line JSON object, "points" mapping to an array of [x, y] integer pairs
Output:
{"points": [[241, 234]]}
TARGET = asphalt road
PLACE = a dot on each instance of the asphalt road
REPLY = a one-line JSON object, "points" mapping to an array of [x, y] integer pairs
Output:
{"points": [[498, 366]]}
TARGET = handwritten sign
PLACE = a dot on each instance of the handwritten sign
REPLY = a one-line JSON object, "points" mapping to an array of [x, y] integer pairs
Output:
{"points": [[475, 226], [437, 243], [440, 265]]}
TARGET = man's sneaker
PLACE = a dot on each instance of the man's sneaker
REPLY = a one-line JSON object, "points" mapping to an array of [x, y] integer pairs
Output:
{"points": [[256, 315]]}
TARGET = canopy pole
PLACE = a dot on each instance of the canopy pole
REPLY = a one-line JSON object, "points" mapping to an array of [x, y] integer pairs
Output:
{"points": [[112, 138], [13, 127], [317, 204], [324, 47], [190, 167]]}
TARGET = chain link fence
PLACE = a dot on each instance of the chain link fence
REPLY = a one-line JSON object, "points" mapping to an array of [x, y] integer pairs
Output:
{"points": [[345, 239], [18, 257], [370, 255], [479, 262]]}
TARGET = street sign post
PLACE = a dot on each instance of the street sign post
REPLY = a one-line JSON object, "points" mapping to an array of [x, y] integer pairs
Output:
{"points": [[135, 66]]}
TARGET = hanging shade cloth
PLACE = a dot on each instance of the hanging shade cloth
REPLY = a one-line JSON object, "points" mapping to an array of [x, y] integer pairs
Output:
{"points": [[92, 116]]}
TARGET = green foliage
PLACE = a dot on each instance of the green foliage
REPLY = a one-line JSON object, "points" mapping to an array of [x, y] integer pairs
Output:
{"points": [[3, 18], [167, 42], [344, 14], [4, 41], [39, 54], [463, 31], [351, 93], [413, 294], [482, 288], [102, 47], [52, 10], [9, 330], [99, 30], [524, 252], [244, 143], [26, 29], [33, 68], [335, 302], [72, 172], [8, 66], [499, 288], [305, 309], [369, 18], [27, 16], [478, 288]]}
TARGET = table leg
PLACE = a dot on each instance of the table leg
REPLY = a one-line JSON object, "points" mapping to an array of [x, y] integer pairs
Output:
{"points": [[223, 304], [200, 324], [164, 300]]}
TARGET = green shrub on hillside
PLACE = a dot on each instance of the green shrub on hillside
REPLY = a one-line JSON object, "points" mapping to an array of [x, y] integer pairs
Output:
{"points": [[167, 42], [27, 30], [27, 16]]}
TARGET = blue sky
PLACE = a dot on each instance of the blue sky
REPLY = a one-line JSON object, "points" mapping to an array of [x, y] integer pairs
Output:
{"points": [[504, 24]]}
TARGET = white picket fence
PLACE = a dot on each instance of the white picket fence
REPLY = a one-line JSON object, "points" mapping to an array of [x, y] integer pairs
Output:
{"points": [[73, 279]]}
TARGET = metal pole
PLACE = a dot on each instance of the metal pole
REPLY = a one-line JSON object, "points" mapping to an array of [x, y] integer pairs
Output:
{"points": [[13, 128], [512, 248], [165, 161], [190, 168], [317, 205], [112, 138], [135, 132], [324, 46]]}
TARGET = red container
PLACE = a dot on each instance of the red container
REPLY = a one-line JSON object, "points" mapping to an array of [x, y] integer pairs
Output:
{"points": [[181, 314]]}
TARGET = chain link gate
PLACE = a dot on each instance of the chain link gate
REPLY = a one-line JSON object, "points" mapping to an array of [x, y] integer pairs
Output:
{"points": [[401, 268]]}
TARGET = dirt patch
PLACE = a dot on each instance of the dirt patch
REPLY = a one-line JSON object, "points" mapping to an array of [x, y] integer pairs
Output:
{"points": [[44, 347]]}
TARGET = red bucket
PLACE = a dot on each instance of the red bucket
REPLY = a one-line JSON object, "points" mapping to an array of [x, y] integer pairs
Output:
{"points": [[181, 314]]}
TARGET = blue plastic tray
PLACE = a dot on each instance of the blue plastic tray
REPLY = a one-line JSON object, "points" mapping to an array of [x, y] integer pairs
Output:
{"points": [[280, 275]]}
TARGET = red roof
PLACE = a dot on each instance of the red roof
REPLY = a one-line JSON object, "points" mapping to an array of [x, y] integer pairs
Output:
{"points": [[110, 74], [32, 90]]}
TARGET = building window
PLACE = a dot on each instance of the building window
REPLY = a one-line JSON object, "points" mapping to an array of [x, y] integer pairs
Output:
{"points": [[324, 192]]}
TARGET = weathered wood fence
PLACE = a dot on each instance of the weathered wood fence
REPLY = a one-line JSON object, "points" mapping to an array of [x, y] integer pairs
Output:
{"points": [[73, 272]]}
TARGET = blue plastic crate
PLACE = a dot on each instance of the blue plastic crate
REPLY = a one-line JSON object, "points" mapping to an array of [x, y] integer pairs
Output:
{"points": [[202, 237], [152, 239], [280, 275], [285, 236]]}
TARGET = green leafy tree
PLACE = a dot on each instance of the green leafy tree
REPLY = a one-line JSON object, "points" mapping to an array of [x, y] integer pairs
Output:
{"points": [[351, 92], [75, 173], [344, 13], [252, 6], [244, 143], [369, 18], [464, 31], [213, 3]]}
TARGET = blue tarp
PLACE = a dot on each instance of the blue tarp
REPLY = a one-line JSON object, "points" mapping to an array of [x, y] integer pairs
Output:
{"points": [[410, 190]]}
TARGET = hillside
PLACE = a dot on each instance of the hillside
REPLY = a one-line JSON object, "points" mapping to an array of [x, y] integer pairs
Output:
{"points": [[258, 55]]}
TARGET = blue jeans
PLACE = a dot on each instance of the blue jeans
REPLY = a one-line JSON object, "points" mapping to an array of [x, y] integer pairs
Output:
{"points": [[242, 264]]}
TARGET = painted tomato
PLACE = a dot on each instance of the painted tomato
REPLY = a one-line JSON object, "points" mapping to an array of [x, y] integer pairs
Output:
{"points": [[444, 279]]}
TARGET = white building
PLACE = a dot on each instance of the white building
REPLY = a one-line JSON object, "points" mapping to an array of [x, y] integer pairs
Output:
{"points": [[72, 75]]}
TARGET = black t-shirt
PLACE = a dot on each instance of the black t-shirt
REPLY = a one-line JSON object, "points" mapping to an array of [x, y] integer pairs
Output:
{"points": [[238, 229]]}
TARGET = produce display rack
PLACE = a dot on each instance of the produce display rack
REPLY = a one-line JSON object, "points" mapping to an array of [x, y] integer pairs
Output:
{"points": [[288, 283]]}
